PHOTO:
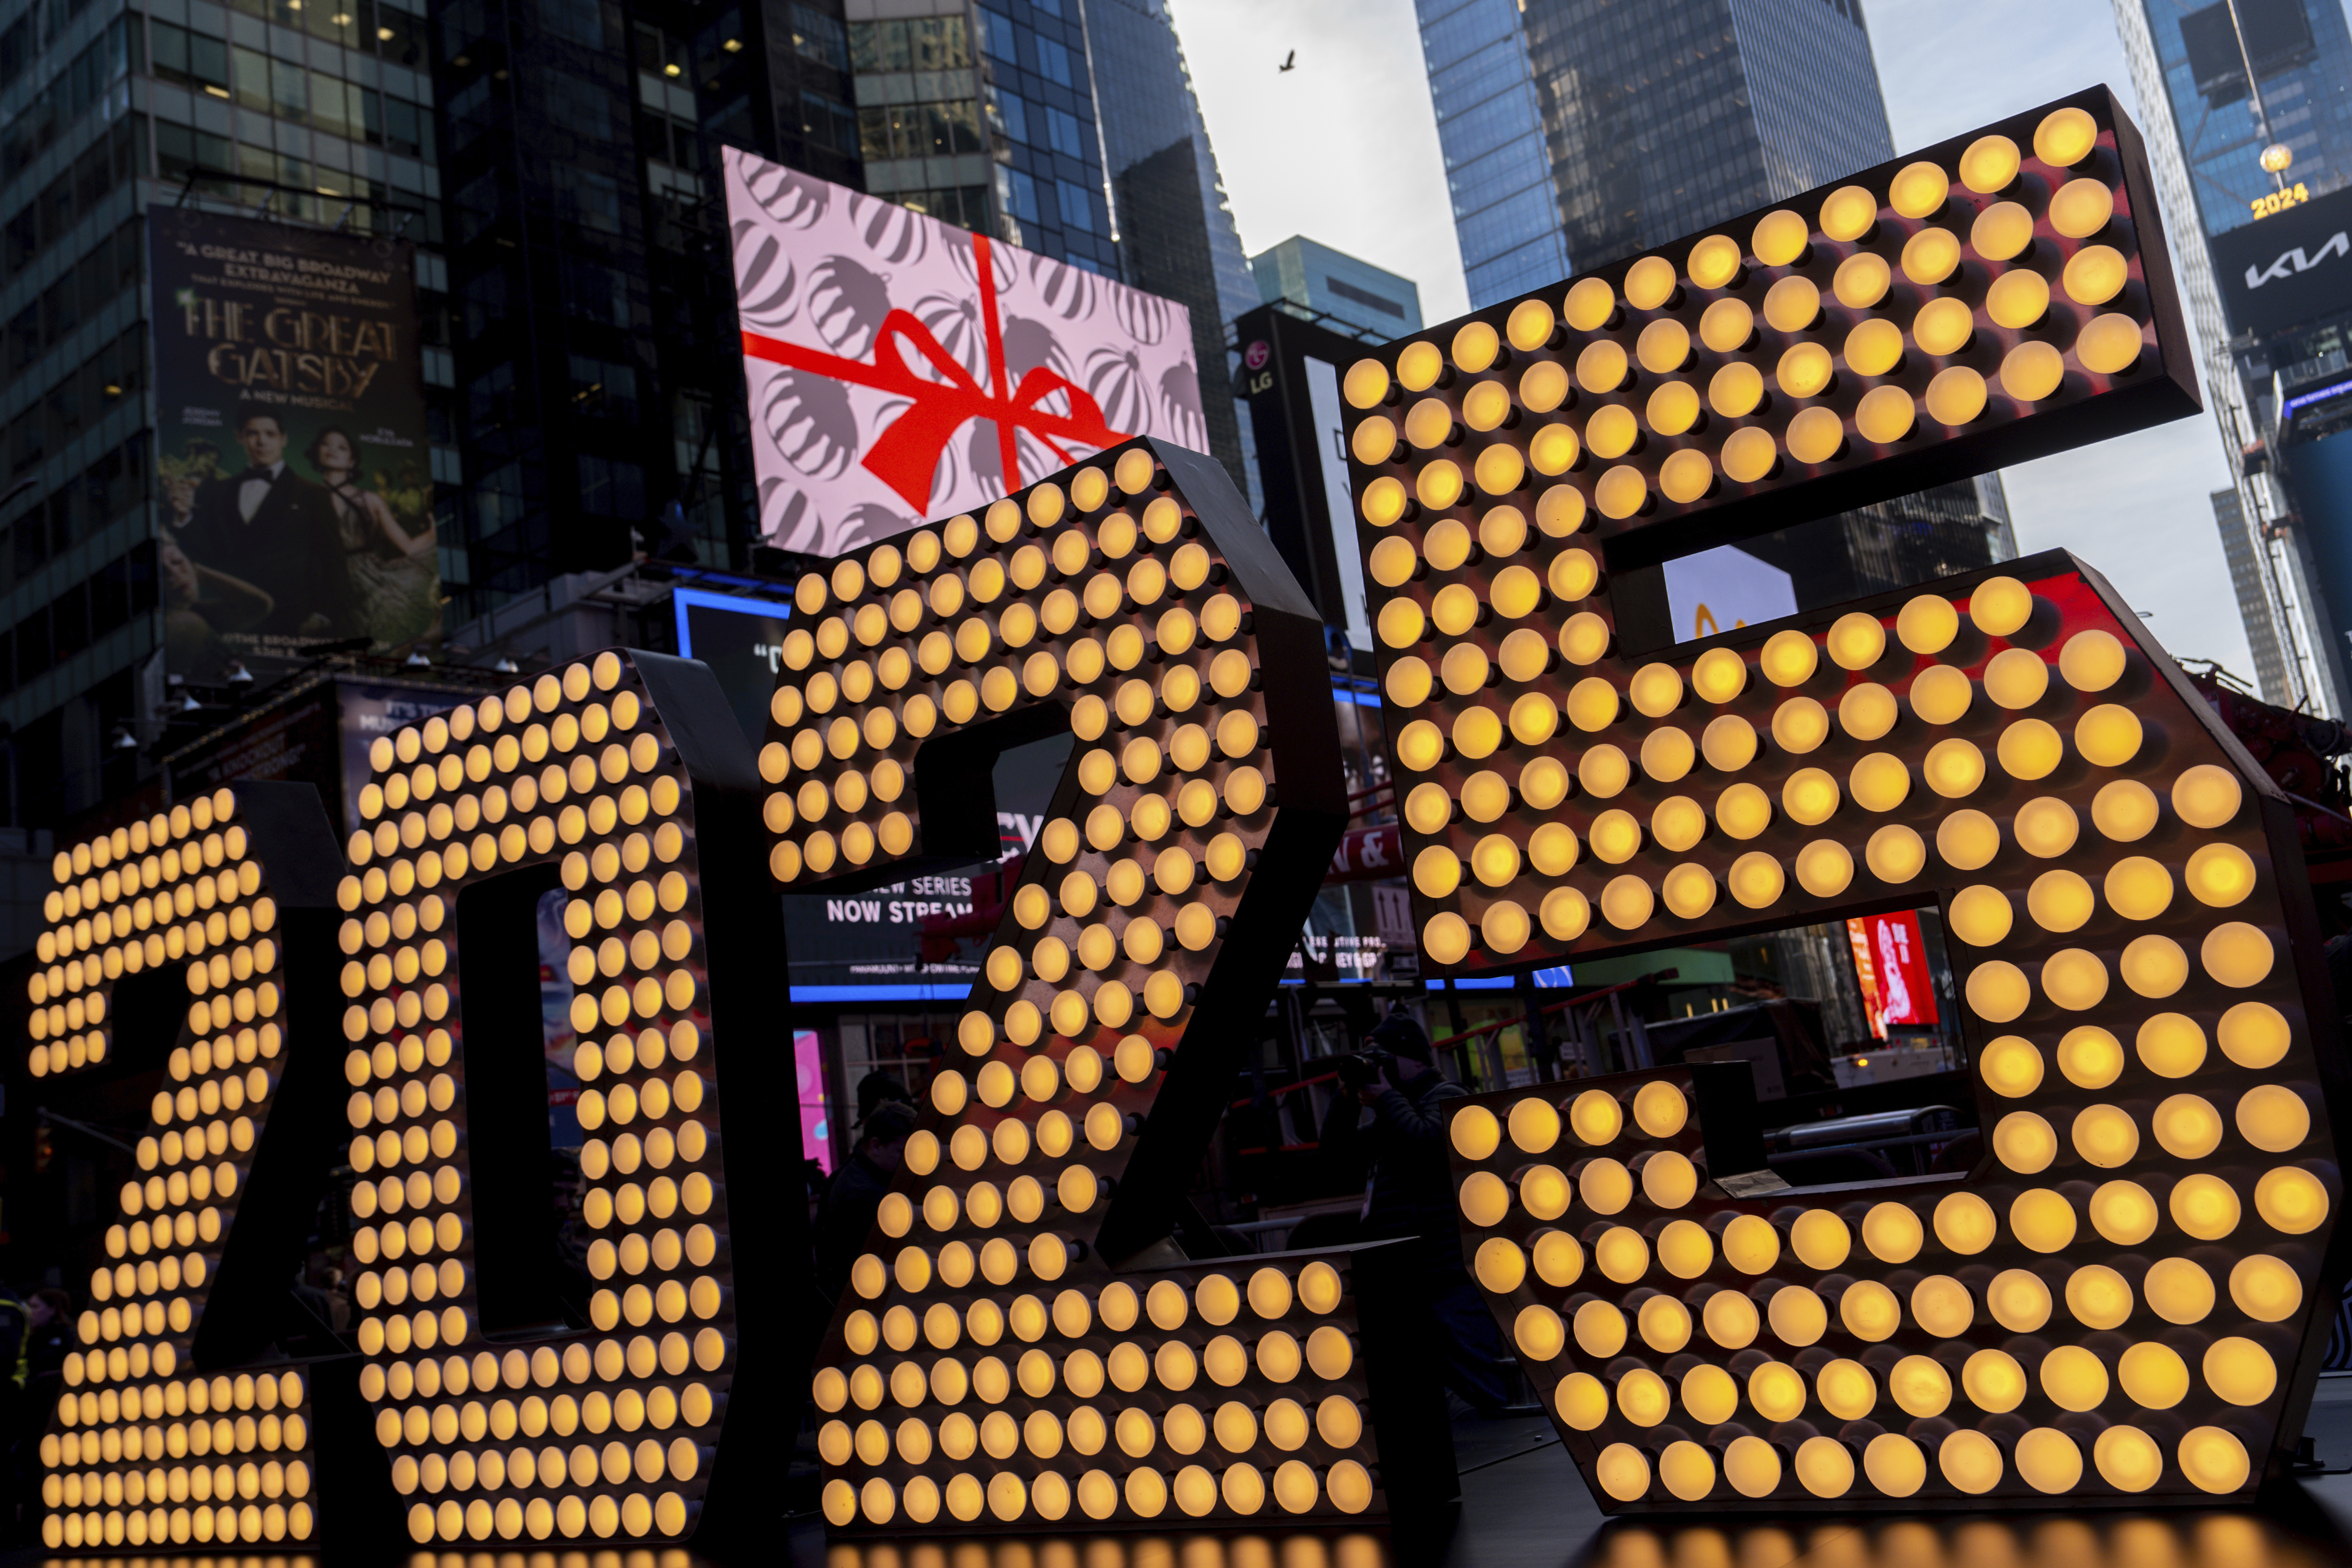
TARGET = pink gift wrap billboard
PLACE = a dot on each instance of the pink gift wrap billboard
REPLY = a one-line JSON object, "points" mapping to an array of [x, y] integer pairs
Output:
{"points": [[890, 383]]}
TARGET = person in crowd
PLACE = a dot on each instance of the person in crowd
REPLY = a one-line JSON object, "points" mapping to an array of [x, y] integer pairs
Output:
{"points": [[48, 1318], [878, 1088], [277, 530], [856, 1194], [395, 583], [1389, 1134], [49, 1315]]}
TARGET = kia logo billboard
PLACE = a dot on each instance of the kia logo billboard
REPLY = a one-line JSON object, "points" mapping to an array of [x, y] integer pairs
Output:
{"points": [[2290, 270]]}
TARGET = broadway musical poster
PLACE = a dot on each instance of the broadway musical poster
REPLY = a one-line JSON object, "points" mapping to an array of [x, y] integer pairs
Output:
{"points": [[296, 478]]}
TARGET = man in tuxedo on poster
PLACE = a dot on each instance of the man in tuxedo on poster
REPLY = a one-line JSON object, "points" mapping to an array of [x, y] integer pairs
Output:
{"points": [[275, 530]]}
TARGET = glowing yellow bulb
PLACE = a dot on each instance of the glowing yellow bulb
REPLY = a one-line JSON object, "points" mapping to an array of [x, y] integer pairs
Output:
{"points": [[1990, 164], [2093, 276], [1727, 325], [2110, 344], [2001, 232], [2237, 955], [1792, 305], [1943, 326], [1848, 213], [1861, 281], [2065, 137], [2206, 797], [1931, 255]]}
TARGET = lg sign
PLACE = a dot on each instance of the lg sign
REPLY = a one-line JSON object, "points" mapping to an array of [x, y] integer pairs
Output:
{"points": [[2287, 270]]}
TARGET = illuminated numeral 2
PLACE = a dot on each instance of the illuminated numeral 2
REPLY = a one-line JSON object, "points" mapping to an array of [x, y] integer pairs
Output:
{"points": [[1022, 1344]]}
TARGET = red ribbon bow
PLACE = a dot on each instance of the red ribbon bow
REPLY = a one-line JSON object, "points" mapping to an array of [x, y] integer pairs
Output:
{"points": [[907, 455]]}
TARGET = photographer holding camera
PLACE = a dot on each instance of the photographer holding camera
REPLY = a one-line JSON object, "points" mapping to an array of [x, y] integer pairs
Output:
{"points": [[1387, 1131]]}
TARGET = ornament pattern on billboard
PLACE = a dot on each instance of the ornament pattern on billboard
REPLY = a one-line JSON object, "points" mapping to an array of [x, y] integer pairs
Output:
{"points": [[888, 385]]}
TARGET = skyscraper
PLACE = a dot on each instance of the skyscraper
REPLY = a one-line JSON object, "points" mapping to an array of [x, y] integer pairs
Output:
{"points": [[324, 115], [1176, 232], [1490, 127], [554, 161], [1661, 119], [1334, 283], [1578, 132], [2208, 126]]}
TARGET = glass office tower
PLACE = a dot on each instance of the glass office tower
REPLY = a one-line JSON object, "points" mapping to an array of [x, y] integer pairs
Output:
{"points": [[1578, 132], [1176, 231], [1661, 119], [2207, 125], [1333, 283], [1490, 128], [323, 114]]}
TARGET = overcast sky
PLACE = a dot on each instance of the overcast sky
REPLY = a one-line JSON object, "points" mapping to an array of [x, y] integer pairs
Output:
{"points": [[1343, 148]]}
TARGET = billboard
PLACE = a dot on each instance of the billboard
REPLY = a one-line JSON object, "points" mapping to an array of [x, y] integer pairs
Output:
{"points": [[1891, 961], [1290, 377], [291, 439], [2289, 268], [886, 384], [741, 640]]}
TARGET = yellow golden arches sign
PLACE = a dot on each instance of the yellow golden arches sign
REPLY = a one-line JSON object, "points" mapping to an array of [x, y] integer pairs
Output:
{"points": [[1022, 1346], [2127, 1299]]}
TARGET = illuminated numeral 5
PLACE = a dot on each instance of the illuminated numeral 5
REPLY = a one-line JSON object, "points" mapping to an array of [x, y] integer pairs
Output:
{"points": [[1021, 1343], [2119, 1300]]}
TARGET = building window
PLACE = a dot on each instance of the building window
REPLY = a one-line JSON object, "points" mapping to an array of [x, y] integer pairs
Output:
{"points": [[1017, 194], [1053, 63], [920, 44], [603, 389], [497, 500], [1364, 296], [596, 293], [581, 21], [485, 302], [611, 488], [825, 123], [817, 37], [191, 60], [1008, 114], [1067, 135], [180, 151], [490, 401], [479, 207], [919, 130], [966, 207], [996, 34], [590, 199], [1077, 205], [582, 108]]}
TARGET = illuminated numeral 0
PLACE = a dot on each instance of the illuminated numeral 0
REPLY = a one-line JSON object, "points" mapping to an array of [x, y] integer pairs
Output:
{"points": [[623, 783]]}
